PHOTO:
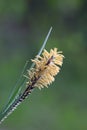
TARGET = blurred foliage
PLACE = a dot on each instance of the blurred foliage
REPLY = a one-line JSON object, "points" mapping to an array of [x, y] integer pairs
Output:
{"points": [[23, 27]]}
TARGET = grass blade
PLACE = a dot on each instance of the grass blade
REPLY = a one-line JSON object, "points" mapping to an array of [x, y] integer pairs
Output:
{"points": [[20, 83]]}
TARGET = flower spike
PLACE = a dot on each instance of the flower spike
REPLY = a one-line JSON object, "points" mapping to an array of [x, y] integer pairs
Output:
{"points": [[46, 67]]}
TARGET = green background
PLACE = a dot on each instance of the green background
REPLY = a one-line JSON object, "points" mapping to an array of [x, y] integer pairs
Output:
{"points": [[23, 27]]}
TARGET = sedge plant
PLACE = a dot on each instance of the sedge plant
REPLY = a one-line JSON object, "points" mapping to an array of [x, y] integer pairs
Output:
{"points": [[45, 66]]}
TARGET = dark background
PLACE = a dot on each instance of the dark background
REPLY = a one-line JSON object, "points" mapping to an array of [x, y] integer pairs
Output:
{"points": [[23, 27]]}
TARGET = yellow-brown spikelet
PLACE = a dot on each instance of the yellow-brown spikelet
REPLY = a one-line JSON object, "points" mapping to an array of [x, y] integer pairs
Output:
{"points": [[46, 67]]}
